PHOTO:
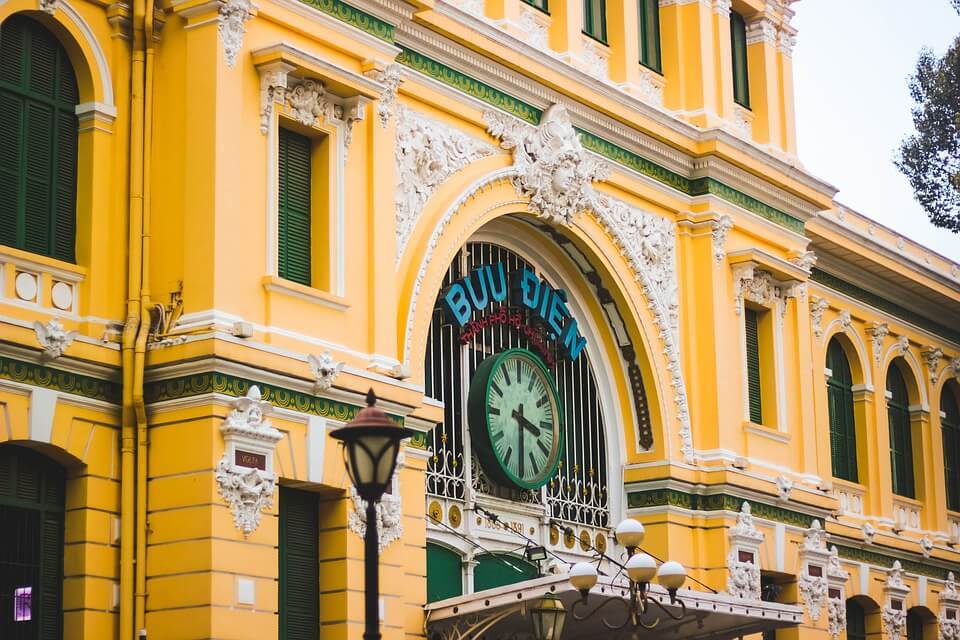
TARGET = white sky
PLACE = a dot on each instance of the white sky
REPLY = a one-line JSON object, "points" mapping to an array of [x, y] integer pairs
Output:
{"points": [[851, 65]]}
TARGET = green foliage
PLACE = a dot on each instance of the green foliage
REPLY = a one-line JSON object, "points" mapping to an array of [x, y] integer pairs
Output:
{"points": [[931, 157]]}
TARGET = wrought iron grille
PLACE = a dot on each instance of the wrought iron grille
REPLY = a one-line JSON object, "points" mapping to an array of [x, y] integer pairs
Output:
{"points": [[578, 493]]}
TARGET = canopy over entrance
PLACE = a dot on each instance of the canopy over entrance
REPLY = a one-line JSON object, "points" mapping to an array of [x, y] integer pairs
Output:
{"points": [[503, 613]]}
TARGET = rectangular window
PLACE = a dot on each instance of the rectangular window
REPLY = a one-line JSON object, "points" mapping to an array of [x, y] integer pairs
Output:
{"points": [[299, 565], [595, 19], [294, 207], [843, 443], [738, 50], [751, 326], [539, 4], [951, 464], [901, 450], [649, 11]]}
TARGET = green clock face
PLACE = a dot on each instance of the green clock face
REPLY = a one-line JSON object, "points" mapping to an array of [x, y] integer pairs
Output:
{"points": [[515, 419]]}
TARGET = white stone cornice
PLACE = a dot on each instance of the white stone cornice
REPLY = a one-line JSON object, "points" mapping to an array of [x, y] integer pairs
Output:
{"points": [[761, 29]]}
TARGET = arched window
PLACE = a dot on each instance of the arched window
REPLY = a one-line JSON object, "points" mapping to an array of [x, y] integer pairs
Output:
{"points": [[38, 141], [856, 621], [950, 426], [499, 569], [32, 493], [914, 624], [843, 436], [444, 573], [901, 445]]}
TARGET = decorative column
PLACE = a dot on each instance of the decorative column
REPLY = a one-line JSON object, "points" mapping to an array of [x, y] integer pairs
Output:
{"points": [[691, 65], [763, 72], [786, 40], [743, 561], [836, 595], [812, 577], [894, 612]]}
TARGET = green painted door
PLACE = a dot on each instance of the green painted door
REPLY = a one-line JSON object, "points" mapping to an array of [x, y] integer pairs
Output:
{"points": [[498, 569], [444, 573]]}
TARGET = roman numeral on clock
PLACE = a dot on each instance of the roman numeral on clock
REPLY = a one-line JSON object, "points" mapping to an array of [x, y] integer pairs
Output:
{"points": [[543, 447]]}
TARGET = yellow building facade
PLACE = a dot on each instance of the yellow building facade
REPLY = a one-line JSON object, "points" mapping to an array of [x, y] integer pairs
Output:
{"points": [[224, 221]]}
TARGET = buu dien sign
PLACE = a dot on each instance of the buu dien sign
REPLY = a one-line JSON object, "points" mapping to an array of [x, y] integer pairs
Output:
{"points": [[488, 284]]}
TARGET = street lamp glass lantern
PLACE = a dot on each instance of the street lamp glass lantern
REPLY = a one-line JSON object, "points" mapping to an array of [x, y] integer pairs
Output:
{"points": [[371, 443], [548, 618]]}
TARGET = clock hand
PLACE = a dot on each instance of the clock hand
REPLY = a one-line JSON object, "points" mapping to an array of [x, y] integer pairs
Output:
{"points": [[526, 424], [520, 436]]}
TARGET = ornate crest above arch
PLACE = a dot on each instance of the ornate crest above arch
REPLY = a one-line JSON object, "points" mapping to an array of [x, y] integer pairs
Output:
{"points": [[553, 176]]}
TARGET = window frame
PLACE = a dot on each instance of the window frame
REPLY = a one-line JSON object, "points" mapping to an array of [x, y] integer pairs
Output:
{"points": [[648, 16], [739, 60], [589, 28], [950, 434], [754, 363], [902, 472], [539, 5], [840, 393]]}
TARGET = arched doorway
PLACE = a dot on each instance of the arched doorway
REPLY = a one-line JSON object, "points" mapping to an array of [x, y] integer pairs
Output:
{"points": [[32, 489]]}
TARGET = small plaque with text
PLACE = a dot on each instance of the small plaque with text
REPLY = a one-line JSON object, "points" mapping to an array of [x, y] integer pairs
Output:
{"points": [[250, 459]]}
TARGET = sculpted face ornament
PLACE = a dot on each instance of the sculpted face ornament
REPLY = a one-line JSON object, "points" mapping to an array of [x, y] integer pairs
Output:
{"points": [[553, 169]]}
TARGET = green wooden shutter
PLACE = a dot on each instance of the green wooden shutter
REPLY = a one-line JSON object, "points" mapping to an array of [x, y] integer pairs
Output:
{"points": [[51, 576], [38, 141], [901, 444], [649, 11], [950, 428], [843, 436], [738, 50], [293, 239], [595, 19], [753, 365], [539, 4], [444, 573], [299, 565]]}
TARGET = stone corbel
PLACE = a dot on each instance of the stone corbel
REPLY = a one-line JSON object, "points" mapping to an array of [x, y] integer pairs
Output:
{"points": [[877, 332], [765, 279], [817, 307], [273, 88], [389, 77], [721, 227], [931, 357], [245, 474]]}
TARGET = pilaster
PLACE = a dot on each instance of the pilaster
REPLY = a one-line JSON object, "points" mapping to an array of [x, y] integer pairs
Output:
{"points": [[691, 63], [566, 27], [764, 77], [624, 39]]}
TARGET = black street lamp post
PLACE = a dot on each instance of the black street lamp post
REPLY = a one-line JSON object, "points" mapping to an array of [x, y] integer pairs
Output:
{"points": [[371, 443]]}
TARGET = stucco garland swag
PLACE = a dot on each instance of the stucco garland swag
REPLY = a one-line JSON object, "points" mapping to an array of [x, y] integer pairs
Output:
{"points": [[553, 170]]}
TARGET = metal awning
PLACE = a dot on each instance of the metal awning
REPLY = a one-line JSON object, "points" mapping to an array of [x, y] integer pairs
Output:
{"points": [[498, 614]]}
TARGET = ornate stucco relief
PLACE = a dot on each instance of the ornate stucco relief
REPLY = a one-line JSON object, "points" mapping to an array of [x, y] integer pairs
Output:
{"points": [[553, 169], [427, 153], [248, 490], [389, 512], [756, 285], [231, 19], [836, 604], [877, 332], [390, 78], [949, 600], [895, 617], [325, 369], [743, 579], [817, 307], [813, 553], [307, 101], [720, 228], [53, 338]]}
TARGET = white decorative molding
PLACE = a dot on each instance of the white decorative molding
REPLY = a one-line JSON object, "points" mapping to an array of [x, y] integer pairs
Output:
{"points": [[906, 515], [761, 29], [53, 338], [721, 227], [352, 110], [722, 7], [869, 531], [552, 167], [389, 512], [49, 6], [786, 41], [248, 433], [894, 613], [846, 322], [743, 561], [955, 367], [273, 87], [877, 332], [534, 28], [595, 59], [949, 618], [817, 307], [742, 122], [427, 153], [649, 87], [307, 101], [926, 546], [231, 19], [931, 357], [903, 345], [836, 617], [836, 600], [850, 499], [325, 369], [812, 580], [784, 487], [390, 78], [806, 260], [755, 284]]}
